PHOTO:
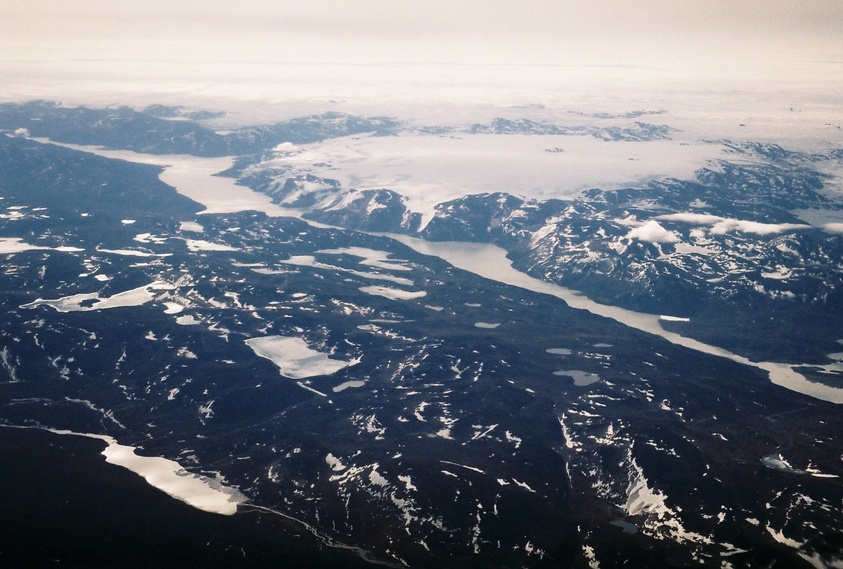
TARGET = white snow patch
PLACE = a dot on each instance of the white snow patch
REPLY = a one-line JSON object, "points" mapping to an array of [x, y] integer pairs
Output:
{"points": [[641, 498], [523, 485], [473, 469], [335, 463], [347, 385], [376, 478], [173, 308], [780, 537], [667, 318]]}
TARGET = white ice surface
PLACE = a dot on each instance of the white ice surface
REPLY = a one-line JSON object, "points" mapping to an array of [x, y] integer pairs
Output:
{"points": [[393, 293], [201, 245], [310, 261], [193, 177], [370, 257], [131, 253], [74, 303], [10, 245], [429, 169], [169, 476], [295, 358], [173, 308]]}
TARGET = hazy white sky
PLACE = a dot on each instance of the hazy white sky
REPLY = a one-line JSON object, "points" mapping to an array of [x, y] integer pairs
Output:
{"points": [[274, 49], [400, 31]]}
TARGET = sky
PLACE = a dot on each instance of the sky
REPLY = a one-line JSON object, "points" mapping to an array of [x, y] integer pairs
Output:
{"points": [[435, 31], [444, 49]]}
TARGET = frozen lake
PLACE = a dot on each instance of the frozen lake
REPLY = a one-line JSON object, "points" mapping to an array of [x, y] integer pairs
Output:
{"points": [[169, 476], [194, 178]]}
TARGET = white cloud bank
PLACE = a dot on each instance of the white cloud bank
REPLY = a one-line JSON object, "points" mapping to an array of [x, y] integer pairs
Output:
{"points": [[652, 232], [722, 225]]}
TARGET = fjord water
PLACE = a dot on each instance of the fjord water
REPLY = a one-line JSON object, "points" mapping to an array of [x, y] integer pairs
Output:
{"points": [[194, 178]]}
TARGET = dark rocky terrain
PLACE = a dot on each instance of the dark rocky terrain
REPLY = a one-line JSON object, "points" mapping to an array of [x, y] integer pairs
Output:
{"points": [[474, 424]]}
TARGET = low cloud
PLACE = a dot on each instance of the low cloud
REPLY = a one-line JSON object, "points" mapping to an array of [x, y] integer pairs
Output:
{"points": [[653, 232], [755, 227], [721, 225]]}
